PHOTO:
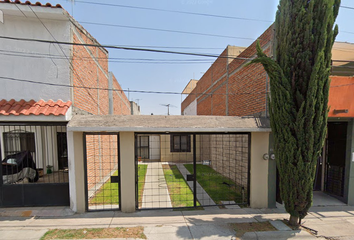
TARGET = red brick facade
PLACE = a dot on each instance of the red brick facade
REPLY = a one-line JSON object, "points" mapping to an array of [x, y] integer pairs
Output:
{"points": [[90, 78], [232, 88]]}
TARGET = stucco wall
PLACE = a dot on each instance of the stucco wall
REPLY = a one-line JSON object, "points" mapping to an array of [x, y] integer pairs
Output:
{"points": [[168, 156], [40, 62]]}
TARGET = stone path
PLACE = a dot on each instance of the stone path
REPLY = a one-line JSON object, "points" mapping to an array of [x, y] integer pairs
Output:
{"points": [[202, 196], [156, 193]]}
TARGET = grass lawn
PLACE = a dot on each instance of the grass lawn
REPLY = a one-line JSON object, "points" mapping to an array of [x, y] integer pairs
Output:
{"points": [[180, 193], [94, 233], [107, 194], [219, 187], [142, 168]]}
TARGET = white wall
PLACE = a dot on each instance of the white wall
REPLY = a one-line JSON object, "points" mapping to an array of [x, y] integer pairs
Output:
{"points": [[191, 109], [155, 151], [19, 61]]}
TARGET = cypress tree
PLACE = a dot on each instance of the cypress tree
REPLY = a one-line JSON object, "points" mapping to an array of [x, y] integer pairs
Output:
{"points": [[299, 89]]}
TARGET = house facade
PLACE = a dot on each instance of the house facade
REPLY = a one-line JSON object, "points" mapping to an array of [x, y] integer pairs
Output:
{"points": [[44, 84], [231, 87]]}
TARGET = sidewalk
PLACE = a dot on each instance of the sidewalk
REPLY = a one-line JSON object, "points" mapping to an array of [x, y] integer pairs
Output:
{"points": [[336, 222]]}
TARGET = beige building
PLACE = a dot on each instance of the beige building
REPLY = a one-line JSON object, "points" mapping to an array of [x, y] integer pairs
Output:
{"points": [[129, 128]]}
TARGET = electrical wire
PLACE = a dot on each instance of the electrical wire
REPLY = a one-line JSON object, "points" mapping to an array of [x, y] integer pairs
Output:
{"points": [[172, 11], [121, 90], [163, 30], [121, 48]]}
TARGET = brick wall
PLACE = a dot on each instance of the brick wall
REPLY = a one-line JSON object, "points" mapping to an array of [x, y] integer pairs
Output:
{"points": [[90, 74], [102, 159], [228, 155], [121, 104], [90, 70], [234, 89]]}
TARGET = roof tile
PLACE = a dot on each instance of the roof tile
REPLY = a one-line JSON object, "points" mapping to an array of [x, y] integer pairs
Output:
{"points": [[32, 4], [32, 107]]}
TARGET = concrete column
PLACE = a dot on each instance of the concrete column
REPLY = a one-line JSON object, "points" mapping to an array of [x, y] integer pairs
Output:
{"points": [[76, 171], [259, 170], [127, 166]]}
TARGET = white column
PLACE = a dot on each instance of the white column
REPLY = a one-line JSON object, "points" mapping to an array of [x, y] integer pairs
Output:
{"points": [[259, 170], [76, 171], [127, 166]]}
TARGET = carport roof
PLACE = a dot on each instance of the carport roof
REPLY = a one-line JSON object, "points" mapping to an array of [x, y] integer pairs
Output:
{"points": [[154, 123]]}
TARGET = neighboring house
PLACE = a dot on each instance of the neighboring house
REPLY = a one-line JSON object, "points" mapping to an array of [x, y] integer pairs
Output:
{"points": [[42, 86], [233, 88]]}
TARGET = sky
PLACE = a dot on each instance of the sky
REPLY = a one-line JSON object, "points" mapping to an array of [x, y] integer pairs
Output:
{"points": [[135, 26]]}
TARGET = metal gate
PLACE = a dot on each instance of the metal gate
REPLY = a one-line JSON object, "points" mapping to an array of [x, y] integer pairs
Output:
{"points": [[194, 170], [34, 164], [102, 171]]}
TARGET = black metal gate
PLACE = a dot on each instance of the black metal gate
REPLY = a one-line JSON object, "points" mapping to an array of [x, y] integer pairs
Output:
{"points": [[336, 159], [33, 171], [102, 171], [194, 170]]}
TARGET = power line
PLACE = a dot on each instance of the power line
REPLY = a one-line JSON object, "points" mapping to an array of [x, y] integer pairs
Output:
{"points": [[172, 11], [122, 90], [123, 60], [121, 47], [347, 7], [163, 30], [68, 60]]}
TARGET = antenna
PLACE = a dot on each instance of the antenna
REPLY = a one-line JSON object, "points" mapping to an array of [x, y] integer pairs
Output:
{"points": [[168, 107], [138, 99]]}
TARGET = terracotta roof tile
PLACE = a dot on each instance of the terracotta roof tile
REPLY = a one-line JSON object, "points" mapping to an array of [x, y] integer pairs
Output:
{"points": [[32, 107], [32, 4]]}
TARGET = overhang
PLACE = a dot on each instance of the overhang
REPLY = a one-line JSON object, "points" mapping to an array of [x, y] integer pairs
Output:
{"points": [[148, 123]]}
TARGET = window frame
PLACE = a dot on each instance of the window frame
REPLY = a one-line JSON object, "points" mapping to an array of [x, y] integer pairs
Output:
{"points": [[179, 148]]}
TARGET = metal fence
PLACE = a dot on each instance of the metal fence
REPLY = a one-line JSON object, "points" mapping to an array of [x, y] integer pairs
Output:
{"points": [[34, 169], [178, 170], [102, 171]]}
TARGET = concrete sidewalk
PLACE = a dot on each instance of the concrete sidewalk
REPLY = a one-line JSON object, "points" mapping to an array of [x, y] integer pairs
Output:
{"points": [[155, 193], [31, 223]]}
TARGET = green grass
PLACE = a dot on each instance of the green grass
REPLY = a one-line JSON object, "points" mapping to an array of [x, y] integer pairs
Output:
{"points": [[180, 193], [142, 168], [95, 233], [214, 184], [108, 193]]}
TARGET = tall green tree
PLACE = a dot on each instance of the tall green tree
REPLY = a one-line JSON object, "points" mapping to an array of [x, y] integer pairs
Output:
{"points": [[299, 89]]}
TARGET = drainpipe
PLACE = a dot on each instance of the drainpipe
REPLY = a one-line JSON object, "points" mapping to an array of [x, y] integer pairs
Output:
{"points": [[110, 93]]}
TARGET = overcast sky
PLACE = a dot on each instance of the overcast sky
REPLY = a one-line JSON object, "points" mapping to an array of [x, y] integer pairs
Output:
{"points": [[203, 33]]}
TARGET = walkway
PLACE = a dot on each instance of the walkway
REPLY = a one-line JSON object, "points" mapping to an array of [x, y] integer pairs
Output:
{"points": [[202, 196], [156, 193], [336, 222]]}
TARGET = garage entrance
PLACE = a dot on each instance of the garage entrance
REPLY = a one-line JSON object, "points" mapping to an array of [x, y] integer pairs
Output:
{"points": [[102, 168], [34, 164], [193, 170]]}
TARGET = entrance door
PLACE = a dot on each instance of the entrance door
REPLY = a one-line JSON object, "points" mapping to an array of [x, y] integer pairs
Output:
{"points": [[336, 155]]}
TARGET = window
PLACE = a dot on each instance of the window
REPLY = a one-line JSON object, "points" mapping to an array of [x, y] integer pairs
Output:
{"points": [[19, 141], [180, 143]]}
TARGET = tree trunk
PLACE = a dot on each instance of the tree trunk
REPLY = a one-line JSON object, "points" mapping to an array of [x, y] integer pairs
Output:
{"points": [[294, 221]]}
